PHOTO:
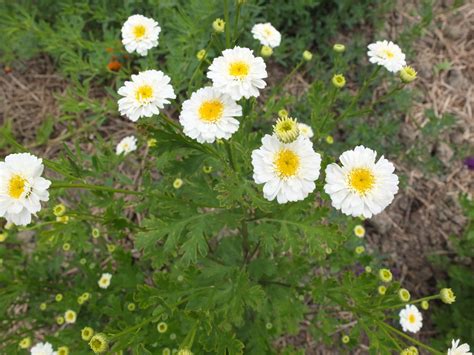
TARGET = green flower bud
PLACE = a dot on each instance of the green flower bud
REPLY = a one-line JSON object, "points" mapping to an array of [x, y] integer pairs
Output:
{"points": [[345, 339], [425, 305], [382, 290], [447, 295], [339, 48], [338, 81], [218, 25], [87, 333], [407, 74], [385, 275], [266, 51], [307, 55], [162, 327], [99, 343], [404, 294]]}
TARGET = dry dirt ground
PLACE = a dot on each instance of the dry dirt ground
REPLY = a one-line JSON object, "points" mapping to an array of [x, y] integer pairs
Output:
{"points": [[423, 216]]}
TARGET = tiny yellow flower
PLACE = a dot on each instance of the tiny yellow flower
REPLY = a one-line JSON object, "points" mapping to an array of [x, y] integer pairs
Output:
{"points": [[62, 219], [368, 269], [286, 129], [218, 25], [385, 275], [338, 81], [404, 294], [66, 246], [110, 248], [99, 343], [359, 250], [58, 297], [59, 210], [131, 307], [162, 327], [86, 296], [185, 352], [329, 140], [207, 169], [177, 183], [409, 351], [83, 261], [166, 351], [80, 300], [328, 250], [359, 231], [151, 142], [201, 54], [269, 325], [345, 339], [25, 343], [95, 233], [70, 316], [3, 237], [266, 51], [219, 141], [60, 320], [43, 306], [381, 290], [87, 333], [63, 350], [407, 74], [447, 295], [282, 113], [307, 55], [425, 305], [339, 48]]}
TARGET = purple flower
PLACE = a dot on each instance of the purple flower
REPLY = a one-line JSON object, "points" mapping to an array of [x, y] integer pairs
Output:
{"points": [[469, 162]]}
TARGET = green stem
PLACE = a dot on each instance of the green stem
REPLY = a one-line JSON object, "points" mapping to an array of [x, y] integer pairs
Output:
{"points": [[245, 241], [361, 91], [394, 341], [228, 147], [332, 98], [236, 23], [409, 338], [66, 185], [428, 298], [227, 27]]}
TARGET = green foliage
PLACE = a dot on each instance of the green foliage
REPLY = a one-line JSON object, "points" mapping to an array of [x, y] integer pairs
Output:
{"points": [[228, 271]]}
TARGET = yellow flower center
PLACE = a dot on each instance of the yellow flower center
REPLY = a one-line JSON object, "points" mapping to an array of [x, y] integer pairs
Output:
{"points": [[267, 32], [16, 186], [139, 31], [388, 53], [144, 92], [411, 318], [362, 180], [211, 111], [286, 163], [239, 69]]}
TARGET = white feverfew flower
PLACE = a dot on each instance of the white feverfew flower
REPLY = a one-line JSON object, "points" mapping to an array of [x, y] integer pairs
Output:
{"points": [[287, 170], [238, 73], [387, 54], [305, 130], [457, 349], [145, 95], [140, 33], [266, 34], [104, 281], [42, 349], [22, 188], [361, 186], [126, 145], [209, 115], [411, 319]]}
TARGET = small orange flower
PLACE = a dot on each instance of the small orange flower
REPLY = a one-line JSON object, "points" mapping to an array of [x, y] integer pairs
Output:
{"points": [[109, 49], [114, 65], [7, 69]]}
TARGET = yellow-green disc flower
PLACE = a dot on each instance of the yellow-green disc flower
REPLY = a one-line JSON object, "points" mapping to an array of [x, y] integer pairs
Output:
{"points": [[447, 295], [151, 142], [359, 250], [425, 305], [207, 169], [87, 333], [282, 113], [99, 343], [404, 294], [177, 183], [339, 48], [385, 275], [201, 54], [329, 140], [368, 269], [338, 80], [359, 231], [162, 327], [407, 74], [43, 306], [62, 219], [218, 25], [58, 297], [95, 233], [63, 350], [345, 339], [66, 246], [3, 237], [286, 129], [382, 290], [307, 55], [131, 306], [59, 210], [70, 316], [25, 343], [60, 320], [266, 51]]}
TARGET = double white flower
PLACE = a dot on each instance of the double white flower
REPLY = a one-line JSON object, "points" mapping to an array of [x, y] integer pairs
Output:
{"points": [[387, 54], [411, 319], [209, 115], [140, 33], [22, 188], [238, 73], [266, 34]]}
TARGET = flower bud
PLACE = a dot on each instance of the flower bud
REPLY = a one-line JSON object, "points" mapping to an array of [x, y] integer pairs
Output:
{"points": [[266, 51], [201, 54], [218, 25], [286, 129], [404, 294], [87, 333], [177, 183], [339, 48], [447, 295], [407, 74], [99, 343], [307, 55], [382, 290], [385, 275], [338, 81], [59, 210], [425, 305]]}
